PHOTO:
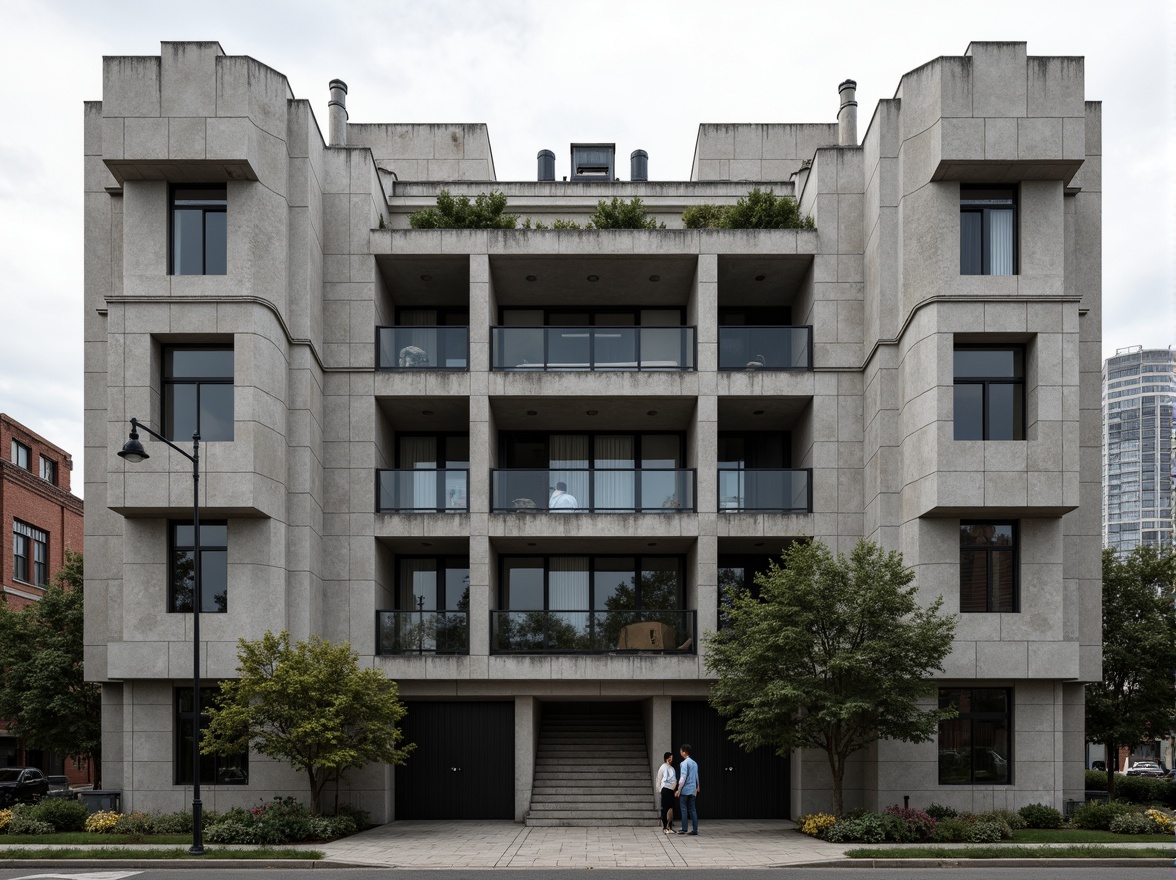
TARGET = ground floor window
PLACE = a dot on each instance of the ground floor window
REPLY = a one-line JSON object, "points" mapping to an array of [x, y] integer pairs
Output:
{"points": [[975, 748], [214, 769]]}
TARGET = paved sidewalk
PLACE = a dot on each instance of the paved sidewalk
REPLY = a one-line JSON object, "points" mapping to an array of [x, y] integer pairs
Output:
{"points": [[475, 844]]}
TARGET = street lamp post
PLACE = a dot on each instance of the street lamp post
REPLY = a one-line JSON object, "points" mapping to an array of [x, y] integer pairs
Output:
{"points": [[134, 453]]}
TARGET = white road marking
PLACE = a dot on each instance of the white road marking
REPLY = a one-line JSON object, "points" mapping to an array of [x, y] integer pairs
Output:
{"points": [[101, 875]]}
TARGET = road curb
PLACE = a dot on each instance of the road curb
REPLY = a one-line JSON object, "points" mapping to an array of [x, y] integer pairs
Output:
{"points": [[305, 864], [984, 863]]}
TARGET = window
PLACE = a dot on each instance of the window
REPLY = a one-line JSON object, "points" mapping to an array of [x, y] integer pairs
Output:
{"points": [[214, 769], [199, 233], [30, 545], [21, 455], [198, 392], [49, 470], [600, 583], [988, 567], [974, 749], [989, 392], [988, 231], [214, 567]]}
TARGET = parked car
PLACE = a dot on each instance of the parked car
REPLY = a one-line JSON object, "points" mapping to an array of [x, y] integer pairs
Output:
{"points": [[1146, 768], [22, 785], [59, 789], [1100, 766]]}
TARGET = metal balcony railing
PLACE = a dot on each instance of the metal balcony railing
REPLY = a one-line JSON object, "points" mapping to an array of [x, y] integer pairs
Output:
{"points": [[422, 490], [613, 490], [766, 490], [422, 348], [422, 632], [599, 349], [765, 348], [593, 632]]}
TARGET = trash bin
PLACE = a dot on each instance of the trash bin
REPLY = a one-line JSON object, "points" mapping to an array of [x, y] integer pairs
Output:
{"points": [[100, 799]]}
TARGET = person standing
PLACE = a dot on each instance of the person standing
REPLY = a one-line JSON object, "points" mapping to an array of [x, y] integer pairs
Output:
{"points": [[688, 789], [664, 789]]}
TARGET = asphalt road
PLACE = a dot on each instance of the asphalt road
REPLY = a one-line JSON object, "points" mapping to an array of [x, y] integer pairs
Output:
{"points": [[101, 873]]}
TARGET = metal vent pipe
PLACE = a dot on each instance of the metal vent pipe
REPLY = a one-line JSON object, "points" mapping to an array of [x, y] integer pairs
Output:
{"points": [[337, 114], [546, 165], [847, 114], [639, 165]]}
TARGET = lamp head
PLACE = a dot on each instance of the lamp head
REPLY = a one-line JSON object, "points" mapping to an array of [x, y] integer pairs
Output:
{"points": [[133, 450]]}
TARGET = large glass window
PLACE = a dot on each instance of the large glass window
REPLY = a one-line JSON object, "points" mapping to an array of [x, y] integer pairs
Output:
{"points": [[434, 583], [30, 554], [975, 748], [989, 392], [214, 567], [604, 583], [21, 455], [199, 233], [988, 567], [988, 231], [214, 769], [198, 392]]}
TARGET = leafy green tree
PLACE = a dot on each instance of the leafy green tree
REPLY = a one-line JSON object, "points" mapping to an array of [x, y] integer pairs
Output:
{"points": [[619, 214], [835, 654], [759, 209], [1135, 700], [310, 705], [44, 696], [486, 212]]}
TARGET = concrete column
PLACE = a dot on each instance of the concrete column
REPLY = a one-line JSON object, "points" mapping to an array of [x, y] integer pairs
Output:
{"points": [[847, 114], [337, 114], [480, 595], [526, 738]]}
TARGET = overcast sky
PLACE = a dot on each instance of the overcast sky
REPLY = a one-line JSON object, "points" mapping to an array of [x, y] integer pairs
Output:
{"points": [[543, 74]]}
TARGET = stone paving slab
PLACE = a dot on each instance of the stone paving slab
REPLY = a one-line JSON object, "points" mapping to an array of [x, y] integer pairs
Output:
{"points": [[476, 844]]}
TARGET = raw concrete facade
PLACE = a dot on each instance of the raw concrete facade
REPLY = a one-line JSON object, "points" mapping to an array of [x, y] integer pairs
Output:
{"points": [[319, 254]]}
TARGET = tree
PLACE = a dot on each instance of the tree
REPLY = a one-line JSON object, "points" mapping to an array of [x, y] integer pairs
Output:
{"points": [[310, 705], [44, 695], [834, 654], [486, 212], [1134, 701]]}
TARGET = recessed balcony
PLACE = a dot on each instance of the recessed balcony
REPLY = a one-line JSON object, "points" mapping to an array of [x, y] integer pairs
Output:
{"points": [[765, 490], [423, 348], [592, 349], [422, 490], [765, 348], [593, 632], [422, 632], [584, 490]]}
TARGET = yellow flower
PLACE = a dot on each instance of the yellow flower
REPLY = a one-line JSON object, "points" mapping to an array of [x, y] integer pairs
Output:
{"points": [[102, 821], [5, 818], [815, 824]]}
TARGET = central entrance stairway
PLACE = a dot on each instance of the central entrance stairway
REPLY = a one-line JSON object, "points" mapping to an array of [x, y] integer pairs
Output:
{"points": [[592, 769]]}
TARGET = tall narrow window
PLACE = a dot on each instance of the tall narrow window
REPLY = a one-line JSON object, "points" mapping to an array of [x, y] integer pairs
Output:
{"points": [[989, 392], [20, 555], [30, 554], [214, 567], [988, 567], [974, 748], [198, 392], [48, 470], [214, 769], [988, 231], [199, 237], [21, 455]]}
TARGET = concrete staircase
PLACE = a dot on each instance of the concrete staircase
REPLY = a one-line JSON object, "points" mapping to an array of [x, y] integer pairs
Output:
{"points": [[592, 770]]}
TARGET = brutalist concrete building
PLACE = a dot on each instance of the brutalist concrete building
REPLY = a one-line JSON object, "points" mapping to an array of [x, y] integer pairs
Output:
{"points": [[519, 470]]}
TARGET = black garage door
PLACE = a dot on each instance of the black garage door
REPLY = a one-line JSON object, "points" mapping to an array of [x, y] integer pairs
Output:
{"points": [[735, 784], [463, 764]]}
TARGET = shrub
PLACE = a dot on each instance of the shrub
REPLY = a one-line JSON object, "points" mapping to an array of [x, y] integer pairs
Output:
{"points": [[939, 812], [62, 815], [1142, 790], [1040, 816], [282, 820], [816, 824], [5, 818], [136, 823], [988, 831], [231, 831], [917, 825], [24, 822], [361, 818], [330, 827], [102, 822], [759, 209], [952, 829], [703, 217], [178, 823], [1096, 780], [1132, 823], [1097, 815], [1009, 817], [870, 828], [486, 212], [619, 214], [1162, 821]]}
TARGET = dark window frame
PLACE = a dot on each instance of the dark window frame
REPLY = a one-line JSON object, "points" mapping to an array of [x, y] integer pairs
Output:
{"points": [[214, 769], [21, 455], [592, 558], [205, 207], [171, 381], [987, 382], [551, 315], [48, 470], [21, 547], [175, 547], [972, 718], [30, 554], [443, 562], [987, 199], [508, 436], [991, 593]]}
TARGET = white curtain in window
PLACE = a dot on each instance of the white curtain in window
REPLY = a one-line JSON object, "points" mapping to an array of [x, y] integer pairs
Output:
{"points": [[567, 583], [423, 339], [614, 475], [419, 453], [568, 451], [1000, 242]]}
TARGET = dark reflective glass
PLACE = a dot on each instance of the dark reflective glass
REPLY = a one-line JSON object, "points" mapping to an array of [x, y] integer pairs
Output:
{"points": [[216, 243], [973, 582], [214, 581], [987, 363], [971, 243], [199, 363], [188, 242], [179, 402], [216, 412], [1004, 582], [1004, 412], [524, 584], [969, 412]]}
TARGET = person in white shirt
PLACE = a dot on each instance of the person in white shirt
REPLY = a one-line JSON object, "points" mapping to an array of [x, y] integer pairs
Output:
{"points": [[666, 781], [560, 499]]}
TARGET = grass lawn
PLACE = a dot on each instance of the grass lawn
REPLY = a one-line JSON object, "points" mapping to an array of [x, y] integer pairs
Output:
{"points": [[1081, 835], [82, 837], [1007, 851], [135, 853]]}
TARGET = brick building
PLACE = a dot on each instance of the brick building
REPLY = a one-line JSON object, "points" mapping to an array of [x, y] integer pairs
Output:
{"points": [[45, 520]]}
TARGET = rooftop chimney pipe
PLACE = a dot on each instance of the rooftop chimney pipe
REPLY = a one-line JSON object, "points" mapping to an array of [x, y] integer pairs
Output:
{"points": [[337, 114], [847, 114], [639, 165], [546, 165]]}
